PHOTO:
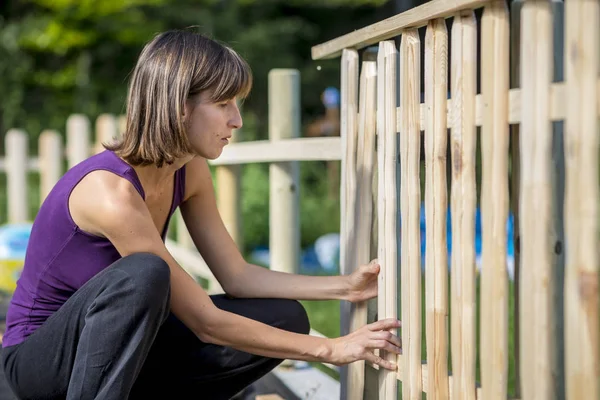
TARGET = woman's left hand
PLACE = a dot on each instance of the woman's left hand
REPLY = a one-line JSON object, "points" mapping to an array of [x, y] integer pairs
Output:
{"points": [[363, 282]]}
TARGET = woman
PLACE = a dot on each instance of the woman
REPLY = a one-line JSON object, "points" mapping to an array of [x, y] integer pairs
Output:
{"points": [[103, 311]]}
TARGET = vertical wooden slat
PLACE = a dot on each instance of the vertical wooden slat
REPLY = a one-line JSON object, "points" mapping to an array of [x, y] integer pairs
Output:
{"points": [[107, 130], [536, 200], [410, 204], [17, 154], [351, 376], [284, 213], [436, 203], [494, 199], [582, 33], [51, 161], [515, 184], [387, 208], [228, 178], [78, 139], [363, 213], [463, 202]]}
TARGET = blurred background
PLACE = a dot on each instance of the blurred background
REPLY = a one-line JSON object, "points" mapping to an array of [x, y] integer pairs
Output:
{"points": [[61, 57]]}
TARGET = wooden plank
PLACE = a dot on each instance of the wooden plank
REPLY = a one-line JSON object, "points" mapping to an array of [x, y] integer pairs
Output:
{"points": [[284, 177], [50, 150], [393, 26], [582, 43], [436, 204], [387, 208], [351, 383], [536, 201], [266, 151], [410, 205], [463, 203], [17, 151], [362, 214], [229, 181], [494, 199]]}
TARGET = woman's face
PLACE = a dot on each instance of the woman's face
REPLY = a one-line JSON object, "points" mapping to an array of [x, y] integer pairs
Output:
{"points": [[210, 125]]}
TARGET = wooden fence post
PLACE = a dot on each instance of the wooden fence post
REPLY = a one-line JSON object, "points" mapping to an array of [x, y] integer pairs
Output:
{"points": [[284, 123], [78, 139], [106, 131], [410, 204], [228, 179], [348, 130], [582, 198], [17, 154], [387, 211], [51, 160], [463, 203]]}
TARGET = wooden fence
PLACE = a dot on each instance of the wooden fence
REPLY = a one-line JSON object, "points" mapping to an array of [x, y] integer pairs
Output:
{"points": [[505, 92]]}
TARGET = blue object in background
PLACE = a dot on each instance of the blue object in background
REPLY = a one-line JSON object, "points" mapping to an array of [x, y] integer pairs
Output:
{"points": [[13, 246], [324, 255]]}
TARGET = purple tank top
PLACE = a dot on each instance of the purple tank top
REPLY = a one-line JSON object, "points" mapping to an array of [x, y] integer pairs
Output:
{"points": [[61, 257]]}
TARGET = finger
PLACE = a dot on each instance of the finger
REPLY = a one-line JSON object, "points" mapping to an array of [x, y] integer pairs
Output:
{"points": [[385, 324], [372, 358], [384, 345], [387, 336]]}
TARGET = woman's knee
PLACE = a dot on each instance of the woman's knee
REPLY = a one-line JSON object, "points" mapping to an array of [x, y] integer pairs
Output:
{"points": [[294, 316], [150, 273]]}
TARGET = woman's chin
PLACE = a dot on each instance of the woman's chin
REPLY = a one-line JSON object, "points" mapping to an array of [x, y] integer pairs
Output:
{"points": [[211, 155]]}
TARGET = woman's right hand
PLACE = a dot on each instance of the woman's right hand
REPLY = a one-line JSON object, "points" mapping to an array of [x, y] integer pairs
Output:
{"points": [[360, 344]]}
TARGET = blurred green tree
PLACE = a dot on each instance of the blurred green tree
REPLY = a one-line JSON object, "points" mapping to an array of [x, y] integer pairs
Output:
{"points": [[59, 57]]}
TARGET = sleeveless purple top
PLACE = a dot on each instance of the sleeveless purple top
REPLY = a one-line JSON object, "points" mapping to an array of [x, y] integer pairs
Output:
{"points": [[60, 257]]}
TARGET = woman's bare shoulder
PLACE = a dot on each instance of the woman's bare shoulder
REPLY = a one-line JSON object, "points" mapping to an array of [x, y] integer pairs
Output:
{"points": [[197, 177], [101, 197]]}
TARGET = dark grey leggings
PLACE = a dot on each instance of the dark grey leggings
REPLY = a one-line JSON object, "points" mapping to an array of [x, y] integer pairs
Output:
{"points": [[116, 339]]}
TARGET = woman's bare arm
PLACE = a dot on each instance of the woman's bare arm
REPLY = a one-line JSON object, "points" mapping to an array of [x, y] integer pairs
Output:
{"points": [[108, 205]]}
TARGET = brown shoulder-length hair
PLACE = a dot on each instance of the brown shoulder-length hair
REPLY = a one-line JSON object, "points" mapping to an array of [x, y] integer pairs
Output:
{"points": [[172, 67]]}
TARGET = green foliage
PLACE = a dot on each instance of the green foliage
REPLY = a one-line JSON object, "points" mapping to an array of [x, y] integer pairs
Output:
{"points": [[318, 214], [60, 57]]}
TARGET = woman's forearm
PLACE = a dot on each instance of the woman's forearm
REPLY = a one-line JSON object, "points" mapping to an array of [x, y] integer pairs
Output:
{"points": [[229, 329], [257, 281]]}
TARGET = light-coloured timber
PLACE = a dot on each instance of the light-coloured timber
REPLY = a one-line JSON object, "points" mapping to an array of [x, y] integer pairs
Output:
{"points": [[362, 214], [284, 213], [582, 198], [78, 139], [410, 205], [266, 151], [386, 201], [393, 26], [50, 149], [352, 376], [494, 200], [106, 131], [17, 150], [536, 202], [436, 204], [463, 141], [228, 178]]}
